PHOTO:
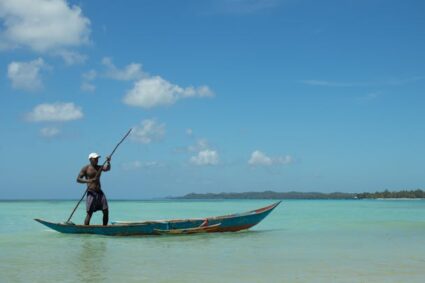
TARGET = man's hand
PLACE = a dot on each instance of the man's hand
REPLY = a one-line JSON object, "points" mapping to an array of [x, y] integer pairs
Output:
{"points": [[108, 158]]}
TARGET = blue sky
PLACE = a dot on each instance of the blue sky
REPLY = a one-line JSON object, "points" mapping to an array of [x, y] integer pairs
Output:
{"points": [[222, 96]]}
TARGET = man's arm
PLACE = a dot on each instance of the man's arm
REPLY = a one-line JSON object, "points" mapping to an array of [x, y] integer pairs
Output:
{"points": [[107, 166], [82, 176]]}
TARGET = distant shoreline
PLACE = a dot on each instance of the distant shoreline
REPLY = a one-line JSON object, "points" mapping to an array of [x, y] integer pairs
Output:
{"points": [[384, 195], [397, 195], [401, 199]]}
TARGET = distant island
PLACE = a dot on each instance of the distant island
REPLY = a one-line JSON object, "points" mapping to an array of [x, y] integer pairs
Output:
{"points": [[412, 194]]}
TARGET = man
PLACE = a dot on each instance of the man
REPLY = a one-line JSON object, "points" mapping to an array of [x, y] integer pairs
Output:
{"points": [[96, 199]]}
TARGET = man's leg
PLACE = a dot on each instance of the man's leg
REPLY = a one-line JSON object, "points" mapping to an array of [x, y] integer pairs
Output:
{"points": [[88, 217], [105, 217]]}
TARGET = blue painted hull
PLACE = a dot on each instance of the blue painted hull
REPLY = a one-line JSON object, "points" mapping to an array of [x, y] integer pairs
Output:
{"points": [[227, 223]]}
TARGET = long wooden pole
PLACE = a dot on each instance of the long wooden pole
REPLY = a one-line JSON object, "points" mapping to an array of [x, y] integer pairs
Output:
{"points": [[98, 174]]}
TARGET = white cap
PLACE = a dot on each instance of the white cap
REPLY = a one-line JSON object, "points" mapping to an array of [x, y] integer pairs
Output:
{"points": [[93, 155]]}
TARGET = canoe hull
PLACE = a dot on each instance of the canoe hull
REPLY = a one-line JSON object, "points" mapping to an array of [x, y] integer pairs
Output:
{"points": [[227, 223]]}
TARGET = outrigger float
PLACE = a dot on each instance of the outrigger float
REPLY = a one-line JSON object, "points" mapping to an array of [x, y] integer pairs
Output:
{"points": [[226, 223]]}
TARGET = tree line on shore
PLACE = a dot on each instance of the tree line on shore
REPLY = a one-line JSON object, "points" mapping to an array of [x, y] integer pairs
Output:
{"points": [[399, 194], [411, 194]]}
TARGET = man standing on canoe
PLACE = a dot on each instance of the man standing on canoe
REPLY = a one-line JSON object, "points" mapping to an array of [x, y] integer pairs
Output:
{"points": [[96, 199]]}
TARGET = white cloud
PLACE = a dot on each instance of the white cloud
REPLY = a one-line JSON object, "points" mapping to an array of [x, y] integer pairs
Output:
{"points": [[202, 91], [131, 72], [148, 131], [258, 158], [61, 112], [89, 75], [205, 91], [87, 84], [71, 57], [42, 25], [88, 87], [205, 157], [49, 132], [189, 132], [201, 144], [26, 75], [150, 91], [155, 91]]}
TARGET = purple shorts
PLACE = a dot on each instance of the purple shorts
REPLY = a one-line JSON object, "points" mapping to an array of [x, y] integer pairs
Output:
{"points": [[96, 201]]}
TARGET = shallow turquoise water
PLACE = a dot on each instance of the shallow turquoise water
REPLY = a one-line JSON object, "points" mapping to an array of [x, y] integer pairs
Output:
{"points": [[301, 241]]}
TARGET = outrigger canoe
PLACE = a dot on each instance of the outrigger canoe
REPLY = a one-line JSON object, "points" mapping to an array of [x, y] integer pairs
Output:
{"points": [[226, 223]]}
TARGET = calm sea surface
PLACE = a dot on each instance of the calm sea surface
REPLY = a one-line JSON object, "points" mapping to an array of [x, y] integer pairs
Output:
{"points": [[300, 241]]}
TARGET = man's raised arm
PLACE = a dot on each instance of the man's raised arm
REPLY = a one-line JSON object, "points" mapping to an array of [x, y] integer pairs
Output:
{"points": [[107, 166]]}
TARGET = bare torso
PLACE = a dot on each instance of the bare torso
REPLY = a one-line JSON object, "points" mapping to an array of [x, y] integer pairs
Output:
{"points": [[89, 172]]}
